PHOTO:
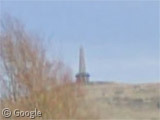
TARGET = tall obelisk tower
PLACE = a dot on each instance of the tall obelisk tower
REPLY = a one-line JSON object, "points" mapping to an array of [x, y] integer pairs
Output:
{"points": [[82, 76]]}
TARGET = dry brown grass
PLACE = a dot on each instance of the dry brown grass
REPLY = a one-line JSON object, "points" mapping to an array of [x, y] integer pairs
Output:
{"points": [[118, 101]]}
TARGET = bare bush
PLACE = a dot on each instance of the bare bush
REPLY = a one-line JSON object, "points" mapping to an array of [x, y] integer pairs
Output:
{"points": [[30, 80]]}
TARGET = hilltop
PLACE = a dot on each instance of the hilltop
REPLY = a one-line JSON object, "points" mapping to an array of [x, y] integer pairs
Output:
{"points": [[123, 101]]}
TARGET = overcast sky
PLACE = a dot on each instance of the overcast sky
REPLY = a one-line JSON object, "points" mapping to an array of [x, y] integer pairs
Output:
{"points": [[120, 39]]}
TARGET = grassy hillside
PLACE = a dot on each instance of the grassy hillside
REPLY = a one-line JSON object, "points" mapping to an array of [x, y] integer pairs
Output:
{"points": [[122, 101]]}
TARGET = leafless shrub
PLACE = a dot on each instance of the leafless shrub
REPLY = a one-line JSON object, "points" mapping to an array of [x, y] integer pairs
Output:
{"points": [[30, 80]]}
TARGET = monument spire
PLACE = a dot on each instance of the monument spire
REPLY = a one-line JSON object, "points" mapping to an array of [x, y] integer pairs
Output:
{"points": [[82, 76], [82, 68]]}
